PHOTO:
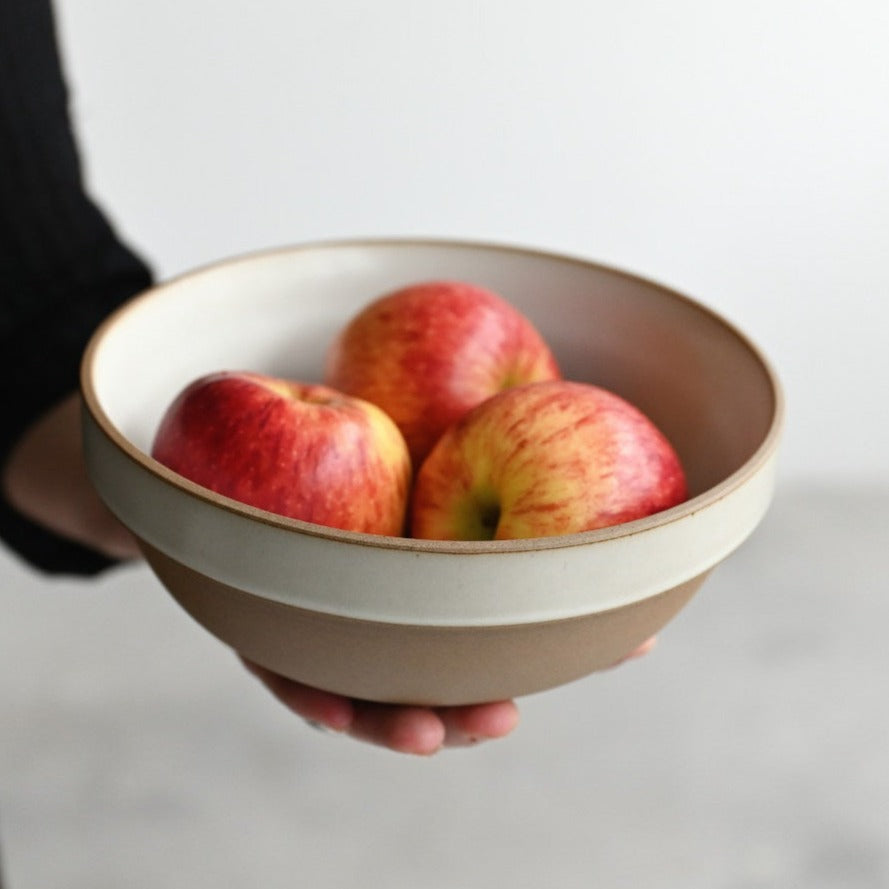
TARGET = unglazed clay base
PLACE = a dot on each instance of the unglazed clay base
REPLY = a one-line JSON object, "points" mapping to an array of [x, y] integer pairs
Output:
{"points": [[410, 664]]}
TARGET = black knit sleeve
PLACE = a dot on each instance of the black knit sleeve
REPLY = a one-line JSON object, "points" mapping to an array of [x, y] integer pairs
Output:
{"points": [[62, 267]]}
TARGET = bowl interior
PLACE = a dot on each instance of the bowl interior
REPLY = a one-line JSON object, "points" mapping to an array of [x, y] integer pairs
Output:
{"points": [[700, 380]]}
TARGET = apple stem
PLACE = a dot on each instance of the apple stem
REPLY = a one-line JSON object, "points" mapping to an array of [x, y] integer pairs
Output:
{"points": [[491, 518]]}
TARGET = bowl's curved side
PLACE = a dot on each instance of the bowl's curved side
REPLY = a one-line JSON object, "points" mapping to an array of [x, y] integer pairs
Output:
{"points": [[414, 664]]}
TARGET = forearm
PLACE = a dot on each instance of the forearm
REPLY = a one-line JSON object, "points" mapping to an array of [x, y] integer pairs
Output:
{"points": [[45, 481]]}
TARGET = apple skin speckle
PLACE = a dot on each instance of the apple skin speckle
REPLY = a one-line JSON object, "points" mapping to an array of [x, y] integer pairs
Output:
{"points": [[299, 450], [558, 457], [430, 352]]}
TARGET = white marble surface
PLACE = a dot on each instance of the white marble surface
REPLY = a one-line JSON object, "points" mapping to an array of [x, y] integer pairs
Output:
{"points": [[750, 750]]}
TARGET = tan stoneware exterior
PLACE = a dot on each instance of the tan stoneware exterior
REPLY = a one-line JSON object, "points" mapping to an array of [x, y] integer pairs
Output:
{"points": [[430, 622]]}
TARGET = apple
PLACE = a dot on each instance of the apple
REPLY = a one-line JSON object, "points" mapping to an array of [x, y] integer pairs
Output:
{"points": [[545, 459], [298, 449], [429, 352]]}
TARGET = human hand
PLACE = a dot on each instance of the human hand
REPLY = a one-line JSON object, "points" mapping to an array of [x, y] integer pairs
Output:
{"points": [[404, 729]]}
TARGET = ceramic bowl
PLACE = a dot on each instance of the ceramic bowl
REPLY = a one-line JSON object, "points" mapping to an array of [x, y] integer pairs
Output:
{"points": [[430, 622]]}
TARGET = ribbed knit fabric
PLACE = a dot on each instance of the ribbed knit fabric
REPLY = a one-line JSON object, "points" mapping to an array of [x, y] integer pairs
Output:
{"points": [[62, 268]]}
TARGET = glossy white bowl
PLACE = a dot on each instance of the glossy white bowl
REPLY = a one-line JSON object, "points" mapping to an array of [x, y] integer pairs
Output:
{"points": [[431, 622]]}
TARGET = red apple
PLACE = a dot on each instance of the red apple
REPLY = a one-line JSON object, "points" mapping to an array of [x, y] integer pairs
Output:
{"points": [[300, 450], [428, 353], [544, 459]]}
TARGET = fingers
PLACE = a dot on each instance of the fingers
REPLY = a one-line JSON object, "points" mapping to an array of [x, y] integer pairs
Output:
{"points": [[419, 731], [328, 710], [414, 730], [641, 651], [423, 731], [471, 724]]}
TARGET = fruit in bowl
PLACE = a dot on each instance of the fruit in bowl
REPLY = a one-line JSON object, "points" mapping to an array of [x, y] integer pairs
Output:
{"points": [[428, 352], [509, 458], [298, 450], [542, 460], [407, 620]]}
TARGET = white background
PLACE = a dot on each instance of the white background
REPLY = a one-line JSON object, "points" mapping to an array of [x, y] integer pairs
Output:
{"points": [[738, 152]]}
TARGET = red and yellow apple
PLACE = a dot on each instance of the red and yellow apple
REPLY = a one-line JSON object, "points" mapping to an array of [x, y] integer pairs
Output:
{"points": [[545, 459], [429, 352], [300, 450]]}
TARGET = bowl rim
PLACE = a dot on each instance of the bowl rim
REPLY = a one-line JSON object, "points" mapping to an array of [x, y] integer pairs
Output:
{"points": [[146, 462]]}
